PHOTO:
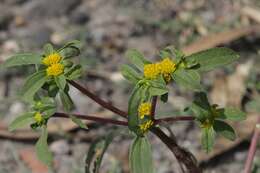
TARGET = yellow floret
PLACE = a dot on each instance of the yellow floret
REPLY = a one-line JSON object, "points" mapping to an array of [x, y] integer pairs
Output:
{"points": [[52, 59], [167, 77], [144, 109], [146, 126], [151, 71], [167, 66], [38, 117], [55, 69]]}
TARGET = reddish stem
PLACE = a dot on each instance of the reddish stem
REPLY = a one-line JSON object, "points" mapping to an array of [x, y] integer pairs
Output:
{"points": [[252, 149], [98, 100], [91, 118], [173, 119], [154, 101]]}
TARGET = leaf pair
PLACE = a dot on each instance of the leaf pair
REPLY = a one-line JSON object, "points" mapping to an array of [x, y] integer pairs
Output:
{"points": [[212, 119]]}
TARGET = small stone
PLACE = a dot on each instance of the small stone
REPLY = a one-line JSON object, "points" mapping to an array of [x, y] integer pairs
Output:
{"points": [[60, 147]]}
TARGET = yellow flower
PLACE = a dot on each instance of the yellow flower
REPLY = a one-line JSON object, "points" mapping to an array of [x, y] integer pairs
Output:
{"points": [[38, 117], [146, 126], [55, 69], [207, 124], [151, 71], [52, 59], [144, 109], [167, 66]]}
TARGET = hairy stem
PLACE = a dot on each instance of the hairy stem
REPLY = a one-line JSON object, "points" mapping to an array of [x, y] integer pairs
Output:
{"points": [[98, 100], [181, 154], [91, 118], [252, 149]]}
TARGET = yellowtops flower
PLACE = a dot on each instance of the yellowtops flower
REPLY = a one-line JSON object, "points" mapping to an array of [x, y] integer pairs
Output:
{"points": [[38, 117], [151, 71], [52, 59], [55, 69], [167, 66], [146, 126], [144, 109]]}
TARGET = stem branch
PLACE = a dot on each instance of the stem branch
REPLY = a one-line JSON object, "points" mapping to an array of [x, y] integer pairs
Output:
{"points": [[91, 118], [98, 100], [173, 119], [252, 149]]}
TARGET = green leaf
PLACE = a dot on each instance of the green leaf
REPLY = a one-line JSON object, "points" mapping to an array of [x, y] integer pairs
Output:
{"points": [[201, 106], [42, 150], [188, 79], [213, 58], [231, 114], [74, 72], [137, 58], [78, 121], [71, 49], [140, 156], [97, 149], [130, 74], [22, 59], [61, 81], [157, 91], [66, 100], [21, 121], [33, 84], [207, 139], [133, 104], [224, 129], [48, 49]]}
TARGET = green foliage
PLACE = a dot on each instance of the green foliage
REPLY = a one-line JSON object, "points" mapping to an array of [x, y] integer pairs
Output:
{"points": [[211, 119], [137, 58], [66, 100], [224, 129], [96, 152], [42, 150], [70, 49], [232, 114], [73, 72], [174, 67], [213, 58], [130, 74], [140, 156], [188, 79], [22, 59], [33, 84], [21, 121], [207, 139]]}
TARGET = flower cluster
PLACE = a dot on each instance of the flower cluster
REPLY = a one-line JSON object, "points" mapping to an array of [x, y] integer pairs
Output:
{"points": [[144, 110], [164, 67], [38, 117], [55, 68]]}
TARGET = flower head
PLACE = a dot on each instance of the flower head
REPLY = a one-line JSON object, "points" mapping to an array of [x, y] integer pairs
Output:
{"points": [[38, 117], [146, 126], [52, 59], [151, 71], [144, 109], [167, 66], [55, 69]]}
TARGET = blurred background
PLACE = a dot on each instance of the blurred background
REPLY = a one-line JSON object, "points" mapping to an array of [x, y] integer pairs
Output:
{"points": [[107, 29]]}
